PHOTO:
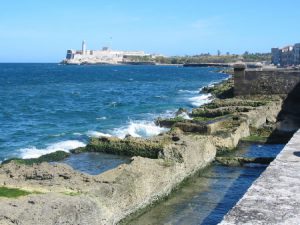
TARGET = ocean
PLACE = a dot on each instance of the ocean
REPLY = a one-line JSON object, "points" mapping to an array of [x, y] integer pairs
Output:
{"points": [[50, 107]]}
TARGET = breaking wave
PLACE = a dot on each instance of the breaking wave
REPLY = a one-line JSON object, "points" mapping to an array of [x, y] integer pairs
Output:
{"points": [[139, 129], [189, 91], [66, 146], [101, 118], [185, 116], [201, 100], [97, 134]]}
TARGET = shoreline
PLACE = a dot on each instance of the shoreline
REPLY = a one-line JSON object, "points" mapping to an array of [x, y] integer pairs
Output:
{"points": [[29, 152], [162, 161]]}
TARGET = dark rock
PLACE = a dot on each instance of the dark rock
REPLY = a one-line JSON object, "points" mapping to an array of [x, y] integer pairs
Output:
{"points": [[129, 146], [51, 157], [192, 127], [175, 138], [240, 161], [180, 111]]}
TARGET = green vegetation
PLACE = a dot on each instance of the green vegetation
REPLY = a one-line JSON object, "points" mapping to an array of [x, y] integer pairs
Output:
{"points": [[230, 124], [127, 146], [207, 119], [169, 122], [204, 113], [259, 135], [52, 157], [256, 57], [255, 138], [232, 102], [203, 58], [12, 192], [222, 90], [265, 131]]}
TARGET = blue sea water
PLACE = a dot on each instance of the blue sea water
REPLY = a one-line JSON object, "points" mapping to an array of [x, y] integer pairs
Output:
{"points": [[50, 107], [206, 198]]}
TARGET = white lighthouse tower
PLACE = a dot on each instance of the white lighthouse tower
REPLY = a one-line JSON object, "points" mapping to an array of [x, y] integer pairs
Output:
{"points": [[83, 47]]}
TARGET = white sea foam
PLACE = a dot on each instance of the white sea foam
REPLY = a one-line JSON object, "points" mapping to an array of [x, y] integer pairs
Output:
{"points": [[185, 116], [201, 100], [189, 91], [139, 129], [66, 146], [58, 135], [101, 118], [167, 114], [97, 134]]}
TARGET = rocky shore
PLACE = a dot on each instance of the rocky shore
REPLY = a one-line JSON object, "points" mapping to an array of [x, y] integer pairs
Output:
{"points": [[56, 194]]}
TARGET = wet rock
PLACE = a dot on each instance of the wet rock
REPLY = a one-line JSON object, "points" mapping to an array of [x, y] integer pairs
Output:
{"points": [[51, 157], [181, 111], [192, 127], [129, 146], [169, 122], [240, 161]]}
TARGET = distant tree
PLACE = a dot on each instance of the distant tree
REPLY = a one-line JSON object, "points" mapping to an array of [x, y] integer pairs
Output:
{"points": [[219, 52]]}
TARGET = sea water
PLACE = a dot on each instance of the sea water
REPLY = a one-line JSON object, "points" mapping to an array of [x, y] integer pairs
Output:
{"points": [[50, 107], [207, 197]]}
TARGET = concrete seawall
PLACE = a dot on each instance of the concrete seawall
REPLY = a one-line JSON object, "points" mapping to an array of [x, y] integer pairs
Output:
{"points": [[274, 198], [264, 82]]}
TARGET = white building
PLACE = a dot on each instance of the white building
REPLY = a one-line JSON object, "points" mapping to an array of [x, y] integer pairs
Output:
{"points": [[104, 56], [287, 56]]}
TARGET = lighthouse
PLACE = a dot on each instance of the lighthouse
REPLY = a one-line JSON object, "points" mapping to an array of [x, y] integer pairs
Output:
{"points": [[83, 47]]}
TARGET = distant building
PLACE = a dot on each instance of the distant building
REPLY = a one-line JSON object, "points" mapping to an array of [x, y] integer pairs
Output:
{"points": [[105, 56], [276, 55], [287, 56], [297, 54]]}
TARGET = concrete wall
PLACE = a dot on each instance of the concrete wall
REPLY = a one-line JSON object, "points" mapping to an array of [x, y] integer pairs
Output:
{"points": [[265, 82]]}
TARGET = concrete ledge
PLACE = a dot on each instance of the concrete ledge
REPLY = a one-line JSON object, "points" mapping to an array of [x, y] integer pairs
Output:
{"points": [[274, 198]]}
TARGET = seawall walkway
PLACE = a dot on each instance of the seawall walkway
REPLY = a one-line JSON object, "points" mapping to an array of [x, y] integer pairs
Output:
{"points": [[274, 198]]}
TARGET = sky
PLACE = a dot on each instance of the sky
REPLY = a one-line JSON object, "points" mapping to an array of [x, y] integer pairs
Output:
{"points": [[42, 30]]}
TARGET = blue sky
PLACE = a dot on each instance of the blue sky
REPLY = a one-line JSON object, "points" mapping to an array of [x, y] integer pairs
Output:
{"points": [[42, 31]]}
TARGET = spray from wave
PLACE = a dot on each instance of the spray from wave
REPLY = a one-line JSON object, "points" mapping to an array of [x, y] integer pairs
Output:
{"points": [[184, 115], [97, 134], [189, 91], [139, 129], [66, 146], [201, 100]]}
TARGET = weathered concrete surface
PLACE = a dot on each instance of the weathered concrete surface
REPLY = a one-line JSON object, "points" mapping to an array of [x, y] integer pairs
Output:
{"points": [[274, 198], [264, 82], [69, 197]]}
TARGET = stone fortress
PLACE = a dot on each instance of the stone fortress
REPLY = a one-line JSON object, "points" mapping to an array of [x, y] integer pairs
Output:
{"points": [[103, 56], [286, 56]]}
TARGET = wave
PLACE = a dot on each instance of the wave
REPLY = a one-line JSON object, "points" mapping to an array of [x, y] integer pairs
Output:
{"points": [[188, 91], [185, 116], [101, 118], [66, 146], [201, 100], [58, 135], [139, 129], [97, 134]]}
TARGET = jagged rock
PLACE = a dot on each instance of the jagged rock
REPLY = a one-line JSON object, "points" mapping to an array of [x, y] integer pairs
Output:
{"points": [[129, 146], [192, 127], [180, 111]]}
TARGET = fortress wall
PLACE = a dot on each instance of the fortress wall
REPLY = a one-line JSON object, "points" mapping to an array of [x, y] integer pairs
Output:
{"points": [[264, 82]]}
